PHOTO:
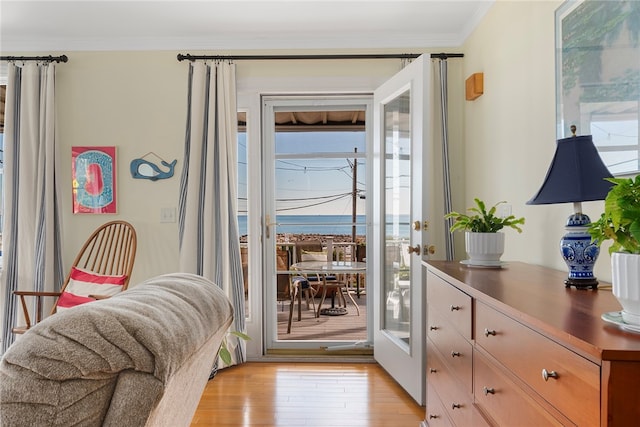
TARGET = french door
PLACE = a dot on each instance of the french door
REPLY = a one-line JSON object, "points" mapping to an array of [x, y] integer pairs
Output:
{"points": [[315, 179], [398, 171], [401, 150]]}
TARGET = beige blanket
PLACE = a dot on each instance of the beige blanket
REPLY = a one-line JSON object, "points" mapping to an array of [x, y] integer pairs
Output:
{"points": [[107, 362]]}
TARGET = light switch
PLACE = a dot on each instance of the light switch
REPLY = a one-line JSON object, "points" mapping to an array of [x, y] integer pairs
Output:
{"points": [[168, 215]]}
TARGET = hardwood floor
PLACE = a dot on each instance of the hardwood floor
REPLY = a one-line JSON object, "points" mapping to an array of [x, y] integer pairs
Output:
{"points": [[306, 394]]}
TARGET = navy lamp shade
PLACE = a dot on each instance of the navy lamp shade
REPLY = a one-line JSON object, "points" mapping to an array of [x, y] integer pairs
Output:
{"points": [[577, 174]]}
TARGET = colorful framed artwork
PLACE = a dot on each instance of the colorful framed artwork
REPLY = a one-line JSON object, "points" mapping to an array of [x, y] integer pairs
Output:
{"points": [[93, 170]]}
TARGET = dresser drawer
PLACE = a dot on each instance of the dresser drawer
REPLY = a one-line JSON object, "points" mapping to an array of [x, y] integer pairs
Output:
{"points": [[446, 298], [455, 350], [436, 414], [503, 401], [528, 354], [456, 401]]}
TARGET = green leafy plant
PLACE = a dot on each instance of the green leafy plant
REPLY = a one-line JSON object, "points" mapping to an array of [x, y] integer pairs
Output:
{"points": [[224, 353], [620, 221], [482, 220]]}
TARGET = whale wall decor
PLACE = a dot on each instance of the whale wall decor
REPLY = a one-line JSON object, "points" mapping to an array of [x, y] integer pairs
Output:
{"points": [[145, 169]]}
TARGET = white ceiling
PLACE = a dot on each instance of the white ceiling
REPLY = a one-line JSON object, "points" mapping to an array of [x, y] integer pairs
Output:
{"points": [[41, 26]]}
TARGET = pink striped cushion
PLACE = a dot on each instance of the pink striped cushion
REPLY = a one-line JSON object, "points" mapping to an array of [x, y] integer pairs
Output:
{"points": [[83, 283]]}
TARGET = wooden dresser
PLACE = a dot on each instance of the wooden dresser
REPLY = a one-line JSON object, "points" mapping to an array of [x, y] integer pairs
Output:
{"points": [[513, 347]]}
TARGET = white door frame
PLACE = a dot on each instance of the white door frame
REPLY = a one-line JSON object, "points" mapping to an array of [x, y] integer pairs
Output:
{"points": [[271, 104]]}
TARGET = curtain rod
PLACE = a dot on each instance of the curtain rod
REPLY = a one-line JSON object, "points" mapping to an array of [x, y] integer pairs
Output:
{"points": [[61, 58], [189, 57], [447, 55]]}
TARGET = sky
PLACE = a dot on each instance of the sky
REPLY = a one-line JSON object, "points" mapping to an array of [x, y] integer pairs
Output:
{"points": [[311, 185]]}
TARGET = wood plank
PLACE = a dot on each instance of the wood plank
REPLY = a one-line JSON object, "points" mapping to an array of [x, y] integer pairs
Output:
{"points": [[349, 327], [306, 394]]}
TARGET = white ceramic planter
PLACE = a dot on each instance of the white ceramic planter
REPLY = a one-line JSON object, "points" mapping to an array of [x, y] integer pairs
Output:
{"points": [[484, 247], [625, 278]]}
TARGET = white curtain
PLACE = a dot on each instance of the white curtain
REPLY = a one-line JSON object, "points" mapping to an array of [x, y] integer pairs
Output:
{"points": [[32, 257], [209, 241]]}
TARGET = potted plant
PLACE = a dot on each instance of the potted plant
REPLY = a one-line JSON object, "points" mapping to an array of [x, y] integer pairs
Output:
{"points": [[224, 353], [484, 241], [620, 223]]}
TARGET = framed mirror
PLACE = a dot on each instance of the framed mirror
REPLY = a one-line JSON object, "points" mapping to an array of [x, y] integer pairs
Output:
{"points": [[598, 77]]}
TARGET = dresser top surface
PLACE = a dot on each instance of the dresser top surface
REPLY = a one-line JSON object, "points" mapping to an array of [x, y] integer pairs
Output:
{"points": [[537, 296]]}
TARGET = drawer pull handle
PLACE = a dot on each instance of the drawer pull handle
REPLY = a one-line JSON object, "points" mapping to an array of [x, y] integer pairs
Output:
{"points": [[549, 374], [455, 307], [433, 371], [431, 416], [488, 390], [455, 354], [433, 328], [456, 406], [488, 332]]}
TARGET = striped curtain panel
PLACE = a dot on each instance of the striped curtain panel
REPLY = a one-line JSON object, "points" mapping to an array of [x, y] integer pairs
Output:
{"points": [[208, 226], [32, 255], [446, 121]]}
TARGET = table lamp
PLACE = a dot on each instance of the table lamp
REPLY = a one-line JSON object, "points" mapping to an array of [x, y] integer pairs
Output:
{"points": [[577, 174]]}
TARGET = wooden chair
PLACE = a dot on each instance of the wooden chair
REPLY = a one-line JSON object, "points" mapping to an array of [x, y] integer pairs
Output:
{"points": [[298, 286], [309, 250], [109, 251]]}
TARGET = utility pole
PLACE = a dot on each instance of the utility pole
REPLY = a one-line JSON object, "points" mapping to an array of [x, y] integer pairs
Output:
{"points": [[354, 197]]}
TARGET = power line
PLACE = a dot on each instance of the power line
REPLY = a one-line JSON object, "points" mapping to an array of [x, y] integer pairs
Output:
{"points": [[312, 204], [302, 168], [312, 198]]}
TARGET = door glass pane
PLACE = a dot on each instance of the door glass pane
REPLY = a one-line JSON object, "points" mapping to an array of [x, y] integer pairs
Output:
{"points": [[319, 192], [242, 212], [397, 279]]}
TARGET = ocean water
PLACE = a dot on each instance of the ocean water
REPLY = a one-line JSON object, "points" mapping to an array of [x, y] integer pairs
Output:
{"points": [[318, 224]]}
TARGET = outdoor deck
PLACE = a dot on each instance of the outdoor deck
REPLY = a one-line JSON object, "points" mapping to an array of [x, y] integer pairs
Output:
{"points": [[349, 327]]}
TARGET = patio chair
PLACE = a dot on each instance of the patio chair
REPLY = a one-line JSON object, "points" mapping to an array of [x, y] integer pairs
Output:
{"points": [[346, 252], [101, 269], [333, 285], [299, 285], [312, 250]]}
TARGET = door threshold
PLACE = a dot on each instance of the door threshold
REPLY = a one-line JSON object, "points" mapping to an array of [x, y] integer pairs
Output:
{"points": [[320, 355]]}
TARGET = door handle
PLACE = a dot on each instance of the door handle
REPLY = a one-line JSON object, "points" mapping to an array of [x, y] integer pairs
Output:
{"points": [[417, 249], [417, 225], [267, 225], [412, 249]]}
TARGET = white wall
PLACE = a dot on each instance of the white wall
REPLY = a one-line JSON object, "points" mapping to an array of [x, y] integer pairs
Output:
{"points": [[136, 102], [510, 131]]}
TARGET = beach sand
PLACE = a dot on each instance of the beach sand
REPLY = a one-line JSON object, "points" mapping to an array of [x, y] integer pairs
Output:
{"points": [[293, 238]]}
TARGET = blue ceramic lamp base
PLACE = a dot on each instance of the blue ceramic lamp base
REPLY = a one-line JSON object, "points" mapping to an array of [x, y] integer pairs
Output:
{"points": [[579, 253]]}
